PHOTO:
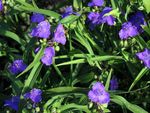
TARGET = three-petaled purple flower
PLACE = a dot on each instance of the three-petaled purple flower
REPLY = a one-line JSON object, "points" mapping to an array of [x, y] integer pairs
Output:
{"points": [[59, 35], [42, 30], [17, 67], [133, 26], [137, 19], [68, 11], [128, 30], [96, 3], [98, 94], [1, 5], [47, 58], [109, 19], [37, 18], [94, 19], [113, 83], [145, 57], [13, 102], [35, 95]]}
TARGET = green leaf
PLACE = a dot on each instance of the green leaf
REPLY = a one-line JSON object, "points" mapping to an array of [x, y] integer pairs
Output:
{"points": [[147, 29], [66, 90], [146, 4], [36, 59], [124, 103], [77, 4], [12, 35], [85, 78], [17, 84], [75, 106], [42, 11], [32, 77], [69, 19], [29, 7], [139, 76], [141, 42], [96, 58], [108, 80]]}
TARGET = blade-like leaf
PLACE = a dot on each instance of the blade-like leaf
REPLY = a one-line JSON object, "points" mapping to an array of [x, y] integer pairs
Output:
{"points": [[36, 59], [32, 77], [123, 102], [139, 76]]}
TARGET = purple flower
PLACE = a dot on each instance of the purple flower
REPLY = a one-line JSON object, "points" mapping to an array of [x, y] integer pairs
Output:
{"points": [[47, 58], [68, 11], [145, 57], [36, 17], [59, 35], [113, 83], [110, 20], [42, 30], [34, 95], [133, 26], [98, 94], [17, 67], [94, 19], [96, 3], [13, 102], [128, 30], [137, 19], [1, 5]]}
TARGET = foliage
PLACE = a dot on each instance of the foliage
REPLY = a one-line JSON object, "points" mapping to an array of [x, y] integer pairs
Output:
{"points": [[89, 55]]}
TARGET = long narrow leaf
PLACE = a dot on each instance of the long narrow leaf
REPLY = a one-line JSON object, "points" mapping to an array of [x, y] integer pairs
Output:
{"points": [[139, 76]]}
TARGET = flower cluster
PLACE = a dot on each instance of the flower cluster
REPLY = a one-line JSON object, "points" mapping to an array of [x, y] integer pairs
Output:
{"points": [[98, 94], [49, 52], [42, 30], [17, 67]]}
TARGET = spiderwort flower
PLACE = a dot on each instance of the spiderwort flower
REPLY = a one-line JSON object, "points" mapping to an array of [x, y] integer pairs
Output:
{"points": [[36, 17], [68, 11], [59, 35], [17, 67], [47, 58], [34, 95], [145, 57], [42, 30], [13, 102], [96, 3], [1, 5], [128, 30], [110, 20], [137, 19], [113, 83], [94, 19], [98, 94]]}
